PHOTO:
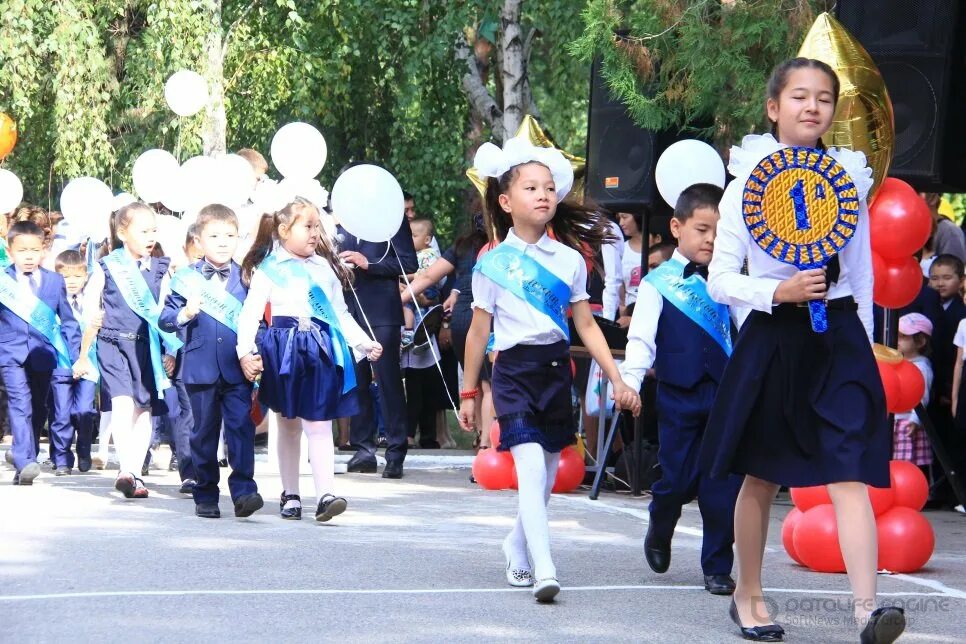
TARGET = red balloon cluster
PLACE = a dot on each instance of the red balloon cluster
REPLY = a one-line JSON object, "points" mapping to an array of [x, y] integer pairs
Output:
{"points": [[903, 383], [906, 539], [494, 470], [900, 224]]}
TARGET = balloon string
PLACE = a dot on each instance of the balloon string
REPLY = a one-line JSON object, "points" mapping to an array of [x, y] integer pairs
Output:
{"points": [[436, 357]]}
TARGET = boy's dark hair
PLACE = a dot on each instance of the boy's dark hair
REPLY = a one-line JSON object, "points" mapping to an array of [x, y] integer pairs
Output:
{"points": [[215, 212], [950, 261], [422, 222], [69, 259], [25, 228], [665, 248], [254, 158], [700, 195], [190, 234], [408, 196]]}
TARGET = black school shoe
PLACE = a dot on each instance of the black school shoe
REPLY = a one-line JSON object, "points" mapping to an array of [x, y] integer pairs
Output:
{"points": [[207, 511], [719, 584], [885, 625], [249, 504], [393, 470], [330, 506], [83, 463], [656, 552], [187, 486]]}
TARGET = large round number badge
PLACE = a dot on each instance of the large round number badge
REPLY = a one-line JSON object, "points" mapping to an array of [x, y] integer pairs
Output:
{"points": [[801, 207]]}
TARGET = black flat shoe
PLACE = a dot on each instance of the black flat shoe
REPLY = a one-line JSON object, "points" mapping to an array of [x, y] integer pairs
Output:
{"points": [[63, 470], [249, 504], [330, 506], [360, 466], [83, 464], [207, 511], [291, 513], [657, 554], [769, 633], [719, 584], [393, 470], [885, 625]]}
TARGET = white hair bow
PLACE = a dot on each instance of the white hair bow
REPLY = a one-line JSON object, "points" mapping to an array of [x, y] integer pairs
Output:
{"points": [[492, 161]]}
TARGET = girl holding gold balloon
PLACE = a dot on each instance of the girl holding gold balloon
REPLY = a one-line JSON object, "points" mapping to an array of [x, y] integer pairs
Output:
{"points": [[801, 402]]}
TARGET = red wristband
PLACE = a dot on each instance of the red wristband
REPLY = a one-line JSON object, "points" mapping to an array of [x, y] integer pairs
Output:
{"points": [[469, 394]]}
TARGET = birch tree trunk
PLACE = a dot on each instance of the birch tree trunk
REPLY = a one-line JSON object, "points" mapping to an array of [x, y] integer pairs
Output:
{"points": [[214, 129]]}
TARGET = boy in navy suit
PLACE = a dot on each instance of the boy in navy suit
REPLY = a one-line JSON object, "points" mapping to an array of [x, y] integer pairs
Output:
{"points": [[685, 336], [205, 301], [39, 341]]}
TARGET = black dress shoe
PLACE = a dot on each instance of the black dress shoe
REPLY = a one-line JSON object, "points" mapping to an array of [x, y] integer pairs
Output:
{"points": [[187, 486], [769, 633], [657, 553], [173, 463], [63, 470], [719, 584], [295, 513], [249, 504], [207, 511], [885, 625], [361, 466], [84, 463], [393, 470], [330, 506]]}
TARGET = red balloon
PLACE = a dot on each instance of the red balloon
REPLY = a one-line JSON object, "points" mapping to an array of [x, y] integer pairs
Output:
{"points": [[912, 386], [890, 382], [816, 540], [909, 485], [806, 498], [899, 220], [493, 469], [495, 433], [897, 282], [788, 531], [906, 540], [570, 472], [882, 498]]}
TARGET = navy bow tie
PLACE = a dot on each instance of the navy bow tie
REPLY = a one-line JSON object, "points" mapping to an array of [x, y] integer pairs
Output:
{"points": [[208, 270], [693, 268]]}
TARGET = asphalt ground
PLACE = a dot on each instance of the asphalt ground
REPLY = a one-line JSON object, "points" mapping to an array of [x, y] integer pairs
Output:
{"points": [[415, 560]]}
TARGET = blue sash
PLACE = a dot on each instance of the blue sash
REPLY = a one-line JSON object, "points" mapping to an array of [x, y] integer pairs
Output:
{"points": [[526, 278], [93, 375], [690, 296], [134, 289], [36, 313], [282, 275], [215, 300]]}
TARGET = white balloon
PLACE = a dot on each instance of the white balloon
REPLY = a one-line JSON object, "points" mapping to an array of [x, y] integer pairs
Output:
{"points": [[368, 202], [684, 164], [198, 180], [186, 92], [299, 151], [122, 199], [11, 191], [153, 171], [88, 203], [235, 182]]}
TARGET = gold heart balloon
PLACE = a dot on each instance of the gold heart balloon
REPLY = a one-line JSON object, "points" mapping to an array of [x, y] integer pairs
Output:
{"points": [[532, 131], [8, 135], [863, 119]]}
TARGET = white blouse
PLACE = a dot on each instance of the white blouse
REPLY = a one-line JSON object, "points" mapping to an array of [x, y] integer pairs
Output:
{"points": [[734, 244], [293, 301]]}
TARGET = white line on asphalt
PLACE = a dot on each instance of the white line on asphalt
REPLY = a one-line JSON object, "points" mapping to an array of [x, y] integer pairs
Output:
{"points": [[409, 591], [932, 583]]}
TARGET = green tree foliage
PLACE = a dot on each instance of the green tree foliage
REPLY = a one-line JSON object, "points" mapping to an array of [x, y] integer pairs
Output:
{"points": [[681, 63]]}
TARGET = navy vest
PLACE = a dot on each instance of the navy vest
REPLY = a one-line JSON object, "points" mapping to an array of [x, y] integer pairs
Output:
{"points": [[118, 316], [686, 354]]}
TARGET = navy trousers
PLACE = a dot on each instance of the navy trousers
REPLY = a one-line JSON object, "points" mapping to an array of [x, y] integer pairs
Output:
{"points": [[682, 416], [27, 391], [392, 399], [211, 405], [179, 422], [83, 415]]}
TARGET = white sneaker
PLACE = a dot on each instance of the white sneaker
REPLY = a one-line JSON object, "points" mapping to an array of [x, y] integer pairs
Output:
{"points": [[546, 589]]}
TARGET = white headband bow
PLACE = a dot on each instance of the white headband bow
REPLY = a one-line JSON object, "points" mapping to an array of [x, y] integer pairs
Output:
{"points": [[491, 161]]}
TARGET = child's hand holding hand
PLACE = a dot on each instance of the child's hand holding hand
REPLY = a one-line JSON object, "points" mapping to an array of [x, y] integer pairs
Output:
{"points": [[168, 364], [626, 398], [373, 351], [251, 366], [82, 367], [192, 307]]}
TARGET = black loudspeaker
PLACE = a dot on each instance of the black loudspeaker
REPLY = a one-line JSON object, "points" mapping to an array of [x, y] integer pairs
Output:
{"points": [[621, 156], [918, 47]]}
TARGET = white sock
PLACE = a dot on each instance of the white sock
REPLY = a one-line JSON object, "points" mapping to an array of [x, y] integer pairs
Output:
{"points": [[104, 436], [321, 455], [532, 478], [289, 453]]}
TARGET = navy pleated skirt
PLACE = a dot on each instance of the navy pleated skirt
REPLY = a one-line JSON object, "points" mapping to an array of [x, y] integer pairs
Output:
{"points": [[800, 408], [301, 378], [532, 396], [124, 360]]}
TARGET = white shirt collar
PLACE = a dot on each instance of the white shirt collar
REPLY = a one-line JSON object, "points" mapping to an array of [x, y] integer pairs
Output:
{"points": [[284, 255], [544, 243], [679, 256]]}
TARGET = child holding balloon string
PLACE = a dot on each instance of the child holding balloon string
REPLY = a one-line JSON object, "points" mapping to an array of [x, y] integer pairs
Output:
{"points": [[523, 287], [798, 407]]}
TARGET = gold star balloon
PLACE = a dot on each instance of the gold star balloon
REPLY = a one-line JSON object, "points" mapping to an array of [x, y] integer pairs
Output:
{"points": [[8, 135], [532, 131], [863, 119]]}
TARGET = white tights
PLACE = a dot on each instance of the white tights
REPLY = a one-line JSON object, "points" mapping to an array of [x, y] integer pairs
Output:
{"points": [[321, 454], [536, 471], [130, 426], [104, 436]]}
